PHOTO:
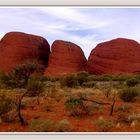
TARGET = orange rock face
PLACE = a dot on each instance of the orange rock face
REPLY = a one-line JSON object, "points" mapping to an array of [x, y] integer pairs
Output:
{"points": [[65, 58], [118, 56], [17, 48]]}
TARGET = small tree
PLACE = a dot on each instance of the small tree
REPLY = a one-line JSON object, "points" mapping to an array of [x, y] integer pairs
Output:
{"points": [[19, 76], [34, 89], [18, 108], [114, 98], [24, 71]]}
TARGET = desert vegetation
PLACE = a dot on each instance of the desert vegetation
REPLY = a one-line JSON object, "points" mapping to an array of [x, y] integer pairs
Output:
{"points": [[78, 102]]}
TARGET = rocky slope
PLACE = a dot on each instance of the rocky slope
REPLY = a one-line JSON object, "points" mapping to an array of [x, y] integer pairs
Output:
{"points": [[18, 47], [65, 58], [118, 56]]}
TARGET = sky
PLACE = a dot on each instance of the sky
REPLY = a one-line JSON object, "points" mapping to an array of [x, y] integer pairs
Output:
{"points": [[85, 27]]}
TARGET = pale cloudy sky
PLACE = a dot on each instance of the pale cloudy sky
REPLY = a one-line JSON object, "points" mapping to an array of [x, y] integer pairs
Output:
{"points": [[85, 27]]}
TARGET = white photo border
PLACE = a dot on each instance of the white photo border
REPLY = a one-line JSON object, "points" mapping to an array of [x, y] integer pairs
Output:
{"points": [[69, 2], [71, 135]]}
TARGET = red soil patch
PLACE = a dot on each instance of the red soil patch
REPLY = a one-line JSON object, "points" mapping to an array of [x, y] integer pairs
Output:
{"points": [[84, 124]]}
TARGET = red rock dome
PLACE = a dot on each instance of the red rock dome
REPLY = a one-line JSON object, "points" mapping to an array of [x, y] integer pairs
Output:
{"points": [[118, 56], [17, 48], [65, 58]]}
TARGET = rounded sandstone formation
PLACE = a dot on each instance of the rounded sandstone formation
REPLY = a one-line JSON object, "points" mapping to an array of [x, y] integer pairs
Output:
{"points": [[119, 56], [17, 48], [65, 58]]}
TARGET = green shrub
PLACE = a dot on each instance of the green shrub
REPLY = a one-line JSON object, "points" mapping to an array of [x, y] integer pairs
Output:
{"points": [[105, 77], [89, 84], [132, 82], [78, 107], [10, 81], [63, 126], [91, 78], [129, 94], [40, 125], [74, 106], [69, 81], [120, 77]]}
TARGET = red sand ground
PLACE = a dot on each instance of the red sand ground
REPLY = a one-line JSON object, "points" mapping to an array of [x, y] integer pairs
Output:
{"points": [[80, 124]]}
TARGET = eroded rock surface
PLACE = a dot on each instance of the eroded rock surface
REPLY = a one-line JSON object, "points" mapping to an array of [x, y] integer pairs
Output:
{"points": [[65, 58], [118, 56]]}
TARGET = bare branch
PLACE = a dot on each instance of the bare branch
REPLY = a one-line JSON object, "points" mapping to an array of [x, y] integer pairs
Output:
{"points": [[97, 102]]}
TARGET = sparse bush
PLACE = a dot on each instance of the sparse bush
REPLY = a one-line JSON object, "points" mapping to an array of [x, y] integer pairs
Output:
{"points": [[118, 84], [4, 78], [63, 126], [69, 81], [6, 104], [127, 118], [137, 76], [99, 77], [74, 106], [89, 84], [78, 107], [82, 77], [10, 81], [91, 78], [107, 92], [129, 94], [132, 82], [124, 108], [28, 103], [40, 125], [106, 77], [104, 125], [50, 89], [34, 88], [120, 77], [10, 117]]}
